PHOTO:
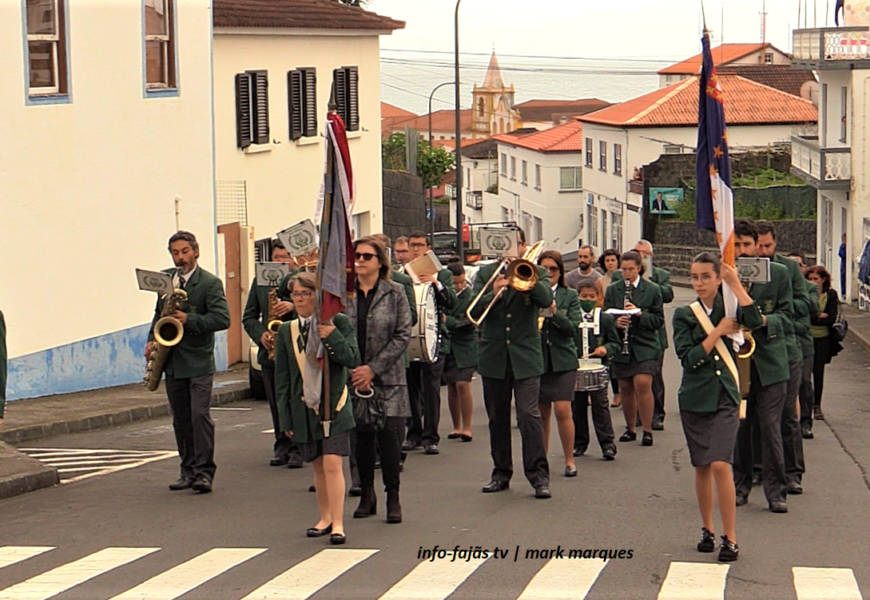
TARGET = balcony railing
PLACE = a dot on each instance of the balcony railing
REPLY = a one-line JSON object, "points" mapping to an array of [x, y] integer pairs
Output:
{"points": [[822, 168], [635, 187], [831, 47], [474, 200]]}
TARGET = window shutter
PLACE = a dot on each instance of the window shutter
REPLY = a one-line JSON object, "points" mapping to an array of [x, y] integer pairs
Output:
{"points": [[243, 110], [310, 104], [340, 82], [294, 100], [352, 99], [261, 107]]}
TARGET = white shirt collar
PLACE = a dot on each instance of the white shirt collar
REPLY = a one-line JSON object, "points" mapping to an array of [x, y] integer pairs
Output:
{"points": [[303, 321], [636, 282], [554, 288], [185, 277]]}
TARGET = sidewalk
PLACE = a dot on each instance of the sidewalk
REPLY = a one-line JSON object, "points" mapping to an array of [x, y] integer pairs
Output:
{"points": [[29, 420]]}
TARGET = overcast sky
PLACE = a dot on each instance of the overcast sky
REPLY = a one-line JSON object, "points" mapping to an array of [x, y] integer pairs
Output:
{"points": [[663, 29]]}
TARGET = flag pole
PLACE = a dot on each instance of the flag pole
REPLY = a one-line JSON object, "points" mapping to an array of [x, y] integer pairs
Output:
{"points": [[326, 224]]}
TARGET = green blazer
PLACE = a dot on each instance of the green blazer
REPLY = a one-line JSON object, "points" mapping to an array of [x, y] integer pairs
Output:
{"points": [[207, 312], [558, 332], [406, 282], [3, 359], [806, 339], [446, 299], [661, 278], [608, 336], [293, 414], [510, 331], [463, 335], [644, 342], [799, 328], [705, 374], [774, 300], [256, 317]]}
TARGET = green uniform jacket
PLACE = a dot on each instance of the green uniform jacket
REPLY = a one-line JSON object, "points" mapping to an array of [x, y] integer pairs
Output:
{"points": [[643, 335], [446, 299], [704, 375], [661, 278], [406, 282], [293, 414], [510, 331], [806, 339], [207, 312], [256, 317], [558, 333], [608, 336], [774, 300], [463, 334], [800, 304], [2, 364]]}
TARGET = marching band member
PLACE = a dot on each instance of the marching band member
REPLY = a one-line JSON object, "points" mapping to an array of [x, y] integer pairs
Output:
{"points": [[511, 363], [190, 365], [603, 341], [560, 356], [709, 394], [462, 359], [608, 262], [300, 420], [808, 349], [401, 253], [636, 364], [254, 320]]}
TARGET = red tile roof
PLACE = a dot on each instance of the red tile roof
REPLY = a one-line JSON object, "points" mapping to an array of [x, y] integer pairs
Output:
{"points": [[388, 111], [298, 14], [781, 77], [722, 54], [442, 120], [564, 138], [746, 103]]}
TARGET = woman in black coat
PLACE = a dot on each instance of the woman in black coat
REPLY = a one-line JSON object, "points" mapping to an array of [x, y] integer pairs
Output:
{"points": [[825, 345]]}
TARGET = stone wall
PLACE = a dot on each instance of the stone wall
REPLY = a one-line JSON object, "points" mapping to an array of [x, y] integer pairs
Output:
{"points": [[405, 206]]}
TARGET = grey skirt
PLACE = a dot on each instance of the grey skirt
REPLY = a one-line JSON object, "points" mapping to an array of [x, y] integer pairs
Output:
{"points": [[453, 374], [338, 444], [620, 370], [556, 387], [711, 436]]}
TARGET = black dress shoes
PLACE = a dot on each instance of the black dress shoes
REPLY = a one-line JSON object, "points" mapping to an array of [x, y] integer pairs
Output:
{"points": [[741, 500], [337, 539], [202, 484], [543, 492], [728, 551], [279, 461], [609, 453], [495, 486], [295, 462], [314, 532], [708, 541], [570, 471], [579, 451], [454, 436], [628, 436], [647, 439], [807, 433], [410, 445], [658, 424], [756, 479], [465, 438], [794, 488], [432, 449], [183, 483], [311, 488], [778, 507]]}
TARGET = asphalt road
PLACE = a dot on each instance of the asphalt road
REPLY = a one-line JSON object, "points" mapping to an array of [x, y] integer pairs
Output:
{"points": [[119, 531]]}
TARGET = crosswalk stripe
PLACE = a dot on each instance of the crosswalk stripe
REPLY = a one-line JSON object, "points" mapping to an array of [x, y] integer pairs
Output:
{"points": [[9, 555], [432, 580], [694, 581], [62, 578], [306, 578], [820, 584], [563, 578], [181, 579]]}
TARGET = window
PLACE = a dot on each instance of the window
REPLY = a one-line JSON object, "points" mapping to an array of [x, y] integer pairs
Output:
{"points": [[768, 58], [602, 155], [616, 234], [617, 159], [47, 65], [345, 83], [537, 177], [159, 45], [673, 149], [525, 173], [844, 112], [514, 168], [603, 226], [302, 102], [592, 226], [588, 152], [570, 178], [503, 164], [252, 108]]}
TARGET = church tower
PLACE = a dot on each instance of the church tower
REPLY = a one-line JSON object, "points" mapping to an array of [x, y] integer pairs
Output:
{"points": [[493, 110]]}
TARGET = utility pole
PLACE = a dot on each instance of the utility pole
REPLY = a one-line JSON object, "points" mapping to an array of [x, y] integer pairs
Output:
{"points": [[763, 21]]}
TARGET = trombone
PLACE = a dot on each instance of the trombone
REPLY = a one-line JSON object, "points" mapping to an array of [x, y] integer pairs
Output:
{"points": [[522, 275]]}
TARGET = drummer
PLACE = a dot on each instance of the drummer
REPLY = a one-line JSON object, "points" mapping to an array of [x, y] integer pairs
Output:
{"points": [[596, 337]]}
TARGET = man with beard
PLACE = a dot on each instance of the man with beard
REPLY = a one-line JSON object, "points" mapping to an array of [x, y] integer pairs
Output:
{"points": [[584, 273]]}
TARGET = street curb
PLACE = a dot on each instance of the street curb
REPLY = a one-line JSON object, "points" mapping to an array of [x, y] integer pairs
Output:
{"points": [[37, 477]]}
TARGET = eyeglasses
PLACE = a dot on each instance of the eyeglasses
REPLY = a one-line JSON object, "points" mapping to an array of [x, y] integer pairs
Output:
{"points": [[301, 294], [553, 269], [419, 245], [364, 256]]}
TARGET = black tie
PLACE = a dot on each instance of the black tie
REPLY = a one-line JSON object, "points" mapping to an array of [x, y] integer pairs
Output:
{"points": [[181, 282]]}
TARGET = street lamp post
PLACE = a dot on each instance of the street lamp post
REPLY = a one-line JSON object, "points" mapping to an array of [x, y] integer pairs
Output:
{"points": [[431, 201], [460, 250]]}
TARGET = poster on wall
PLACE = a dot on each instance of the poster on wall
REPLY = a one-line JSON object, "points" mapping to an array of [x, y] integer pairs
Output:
{"points": [[663, 201]]}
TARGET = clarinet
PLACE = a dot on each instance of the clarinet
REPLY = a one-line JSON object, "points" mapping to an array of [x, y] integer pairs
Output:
{"points": [[626, 301]]}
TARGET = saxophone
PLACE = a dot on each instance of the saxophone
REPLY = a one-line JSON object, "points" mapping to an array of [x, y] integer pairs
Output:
{"points": [[274, 321], [744, 355], [168, 332], [626, 301]]}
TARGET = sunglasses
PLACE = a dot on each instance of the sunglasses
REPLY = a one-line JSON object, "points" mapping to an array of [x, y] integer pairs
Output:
{"points": [[364, 256], [553, 269]]}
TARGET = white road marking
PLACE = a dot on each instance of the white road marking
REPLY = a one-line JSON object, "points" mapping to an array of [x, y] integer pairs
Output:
{"points": [[9, 555], [181, 579], [225, 408], [133, 465], [62, 578], [94, 462], [821, 584], [432, 580], [694, 581], [306, 578], [563, 578]]}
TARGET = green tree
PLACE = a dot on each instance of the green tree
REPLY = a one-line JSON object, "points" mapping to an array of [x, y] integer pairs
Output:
{"points": [[432, 163], [393, 153]]}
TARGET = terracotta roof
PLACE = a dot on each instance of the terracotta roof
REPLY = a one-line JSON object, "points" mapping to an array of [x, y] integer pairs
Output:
{"points": [[564, 138], [780, 77], [722, 55], [450, 145], [746, 103], [442, 120], [298, 14], [548, 110], [388, 111]]}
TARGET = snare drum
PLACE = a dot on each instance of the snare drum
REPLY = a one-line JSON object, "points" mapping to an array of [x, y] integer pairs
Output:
{"points": [[591, 376], [425, 335]]}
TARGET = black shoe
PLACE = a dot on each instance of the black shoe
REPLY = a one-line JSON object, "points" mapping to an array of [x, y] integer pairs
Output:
{"points": [[495, 486], [628, 436], [795, 489], [183, 483], [543, 492], [202, 484], [807, 433], [818, 415], [337, 539], [570, 471], [377, 464], [295, 462], [314, 532], [279, 461], [368, 503], [311, 488], [409, 445], [778, 507], [741, 500], [708, 541], [647, 439], [658, 424], [756, 480], [609, 453], [394, 509], [728, 551], [454, 436], [432, 449], [579, 451], [355, 491], [465, 438]]}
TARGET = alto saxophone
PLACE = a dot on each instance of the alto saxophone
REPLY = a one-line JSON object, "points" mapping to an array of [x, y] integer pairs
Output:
{"points": [[744, 355], [274, 321], [168, 332], [625, 303]]}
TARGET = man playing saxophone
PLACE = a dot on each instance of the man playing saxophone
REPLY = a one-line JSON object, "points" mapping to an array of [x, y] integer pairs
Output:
{"points": [[190, 364]]}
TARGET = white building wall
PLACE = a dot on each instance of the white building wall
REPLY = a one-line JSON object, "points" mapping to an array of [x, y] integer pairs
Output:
{"points": [[89, 190], [858, 230]]}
